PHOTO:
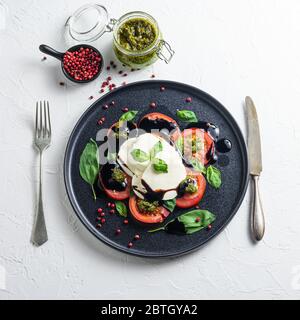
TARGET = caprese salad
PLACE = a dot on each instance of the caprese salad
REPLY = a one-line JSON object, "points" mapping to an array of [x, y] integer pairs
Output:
{"points": [[153, 165]]}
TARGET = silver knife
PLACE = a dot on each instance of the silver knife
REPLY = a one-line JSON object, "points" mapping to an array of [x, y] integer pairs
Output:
{"points": [[255, 161]]}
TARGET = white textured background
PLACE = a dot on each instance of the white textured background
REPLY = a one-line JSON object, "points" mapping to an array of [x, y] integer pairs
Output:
{"points": [[228, 48]]}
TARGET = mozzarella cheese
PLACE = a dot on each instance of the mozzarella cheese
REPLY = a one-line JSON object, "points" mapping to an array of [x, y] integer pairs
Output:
{"points": [[144, 171]]}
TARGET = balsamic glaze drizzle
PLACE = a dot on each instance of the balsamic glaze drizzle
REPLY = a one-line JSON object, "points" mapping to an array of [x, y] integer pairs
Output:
{"points": [[222, 146], [156, 124], [108, 181]]}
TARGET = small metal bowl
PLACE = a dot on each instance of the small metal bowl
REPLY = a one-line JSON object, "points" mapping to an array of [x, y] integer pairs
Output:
{"points": [[60, 56]]}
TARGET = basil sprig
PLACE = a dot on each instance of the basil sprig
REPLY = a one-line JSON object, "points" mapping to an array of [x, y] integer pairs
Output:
{"points": [[188, 223], [140, 155], [121, 208], [128, 116], [169, 204], [213, 176], [198, 166], [89, 164], [186, 115], [156, 149], [159, 165]]}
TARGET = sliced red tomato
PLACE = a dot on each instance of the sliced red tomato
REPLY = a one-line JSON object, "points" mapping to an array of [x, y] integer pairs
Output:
{"points": [[117, 195], [157, 116], [154, 217], [189, 200], [197, 144]]}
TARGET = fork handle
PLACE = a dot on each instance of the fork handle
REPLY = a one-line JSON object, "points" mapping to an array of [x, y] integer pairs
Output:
{"points": [[39, 233]]}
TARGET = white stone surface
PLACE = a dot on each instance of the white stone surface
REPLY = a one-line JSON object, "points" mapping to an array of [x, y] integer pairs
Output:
{"points": [[228, 48]]}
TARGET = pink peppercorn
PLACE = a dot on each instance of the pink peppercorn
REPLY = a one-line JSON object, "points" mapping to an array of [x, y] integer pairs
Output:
{"points": [[137, 237], [82, 64]]}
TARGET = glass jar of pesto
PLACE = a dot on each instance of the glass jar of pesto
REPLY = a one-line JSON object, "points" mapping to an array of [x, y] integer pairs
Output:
{"points": [[137, 39]]}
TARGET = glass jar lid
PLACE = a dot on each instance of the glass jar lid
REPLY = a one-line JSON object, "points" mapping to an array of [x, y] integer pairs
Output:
{"points": [[88, 23]]}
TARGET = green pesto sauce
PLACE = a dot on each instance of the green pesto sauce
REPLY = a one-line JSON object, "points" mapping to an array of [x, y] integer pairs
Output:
{"points": [[189, 185], [136, 34], [146, 206], [118, 175]]}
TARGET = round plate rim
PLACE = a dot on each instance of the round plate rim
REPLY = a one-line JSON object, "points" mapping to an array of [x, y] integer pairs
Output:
{"points": [[88, 225]]}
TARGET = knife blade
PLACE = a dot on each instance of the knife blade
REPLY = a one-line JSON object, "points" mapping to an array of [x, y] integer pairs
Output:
{"points": [[254, 144], [255, 163]]}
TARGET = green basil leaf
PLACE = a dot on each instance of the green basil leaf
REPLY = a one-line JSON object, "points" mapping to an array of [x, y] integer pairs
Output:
{"points": [[159, 165], [128, 116], [156, 149], [121, 208], [196, 219], [139, 155], [189, 222], [89, 164], [197, 165], [187, 115], [170, 204], [213, 176]]}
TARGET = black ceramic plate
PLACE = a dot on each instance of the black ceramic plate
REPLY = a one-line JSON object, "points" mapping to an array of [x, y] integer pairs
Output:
{"points": [[223, 202]]}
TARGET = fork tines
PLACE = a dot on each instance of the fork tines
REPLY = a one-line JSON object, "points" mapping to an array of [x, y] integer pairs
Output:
{"points": [[42, 121]]}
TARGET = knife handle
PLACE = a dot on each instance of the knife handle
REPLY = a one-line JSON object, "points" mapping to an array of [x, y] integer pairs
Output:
{"points": [[257, 217]]}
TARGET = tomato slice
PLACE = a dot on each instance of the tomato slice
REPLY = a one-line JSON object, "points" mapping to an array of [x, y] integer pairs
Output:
{"points": [[117, 195], [189, 200], [197, 144], [156, 217], [157, 120]]}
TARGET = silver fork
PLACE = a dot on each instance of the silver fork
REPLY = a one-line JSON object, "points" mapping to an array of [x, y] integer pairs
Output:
{"points": [[42, 141]]}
